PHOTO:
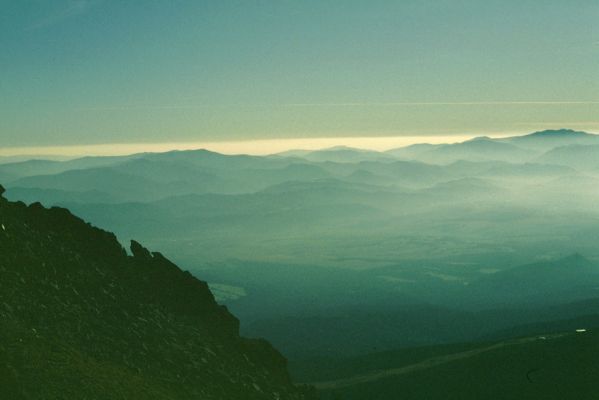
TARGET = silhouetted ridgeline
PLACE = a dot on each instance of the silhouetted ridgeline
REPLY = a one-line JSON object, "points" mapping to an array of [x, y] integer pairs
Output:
{"points": [[79, 318]]}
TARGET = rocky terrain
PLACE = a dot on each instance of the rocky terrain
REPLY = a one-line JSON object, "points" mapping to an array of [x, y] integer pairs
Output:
{"points": [[80, 318]]}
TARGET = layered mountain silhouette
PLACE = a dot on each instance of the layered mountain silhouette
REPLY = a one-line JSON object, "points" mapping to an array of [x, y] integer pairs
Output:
{"points": [[338, 252], [80, 318]]}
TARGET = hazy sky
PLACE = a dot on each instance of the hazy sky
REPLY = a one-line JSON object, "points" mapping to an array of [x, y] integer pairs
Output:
{"points": [[100, 71]]}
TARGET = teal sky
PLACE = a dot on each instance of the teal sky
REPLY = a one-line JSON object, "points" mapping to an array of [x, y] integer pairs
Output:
{"points": [[93, 71]]}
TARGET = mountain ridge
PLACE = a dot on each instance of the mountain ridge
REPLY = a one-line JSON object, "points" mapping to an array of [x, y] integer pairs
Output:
{"points": [[76, 308]]}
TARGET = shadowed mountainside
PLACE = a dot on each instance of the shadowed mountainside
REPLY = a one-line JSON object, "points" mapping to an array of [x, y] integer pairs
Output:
{"points": [[81, 319]]}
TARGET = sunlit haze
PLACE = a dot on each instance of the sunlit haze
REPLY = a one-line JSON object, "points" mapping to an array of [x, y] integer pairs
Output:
{"points": [[257, 147]]}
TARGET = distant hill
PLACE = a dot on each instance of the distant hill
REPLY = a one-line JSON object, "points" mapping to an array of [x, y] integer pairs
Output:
{"points": [[514, 149], [38, 166], [79, 318], [25, 157], [412, 152], [580, 156], [549, 139], [340, 154], [478, 149], [564, 280]]}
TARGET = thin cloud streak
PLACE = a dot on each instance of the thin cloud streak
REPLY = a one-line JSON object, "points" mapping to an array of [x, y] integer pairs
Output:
{"points": [[442, 103], [125, 107], [561, 124]]}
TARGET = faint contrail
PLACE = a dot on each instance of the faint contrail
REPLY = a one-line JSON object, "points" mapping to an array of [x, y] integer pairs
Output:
{"points": [[125, 107], [440, 103]]}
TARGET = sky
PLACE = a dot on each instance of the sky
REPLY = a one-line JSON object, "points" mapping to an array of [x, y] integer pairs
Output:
{"points": [[101, 72]]}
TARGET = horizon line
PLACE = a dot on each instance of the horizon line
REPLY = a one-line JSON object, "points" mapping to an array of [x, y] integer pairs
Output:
{"points": [[249, 147]]}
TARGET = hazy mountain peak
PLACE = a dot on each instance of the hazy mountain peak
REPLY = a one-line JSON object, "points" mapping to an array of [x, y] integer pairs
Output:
{"points": [[543, 141], [342, 148], [480, 138], [548, 133]]}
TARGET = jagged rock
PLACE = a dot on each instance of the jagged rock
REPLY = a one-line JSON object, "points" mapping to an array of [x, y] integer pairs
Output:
{"points": [[139, 251]]}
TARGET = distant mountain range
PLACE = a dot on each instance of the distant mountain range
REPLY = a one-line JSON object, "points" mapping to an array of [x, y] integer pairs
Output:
{"points": [[421, 245], [338, 252], [526, 148]]}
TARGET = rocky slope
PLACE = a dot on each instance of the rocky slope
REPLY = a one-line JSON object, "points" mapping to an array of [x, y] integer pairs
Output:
{"points": [[79, 318]]}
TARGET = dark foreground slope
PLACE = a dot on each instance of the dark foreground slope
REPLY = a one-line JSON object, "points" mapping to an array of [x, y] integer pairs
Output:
{"points": [[554, 366], [79, 318]]}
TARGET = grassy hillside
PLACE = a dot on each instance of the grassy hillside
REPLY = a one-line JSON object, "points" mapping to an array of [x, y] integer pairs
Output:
{"points": [[556, 366]]}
